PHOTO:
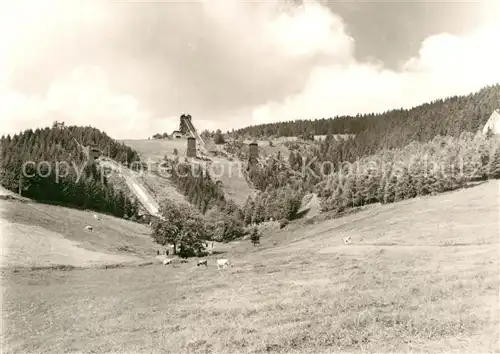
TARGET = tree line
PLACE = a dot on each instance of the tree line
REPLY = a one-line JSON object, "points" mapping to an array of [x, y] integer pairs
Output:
{"points": [[395, 128], [443, 164], [223, 219]]}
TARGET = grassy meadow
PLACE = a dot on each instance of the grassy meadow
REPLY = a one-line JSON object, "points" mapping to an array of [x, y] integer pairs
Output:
{"points": [[421, 275]]}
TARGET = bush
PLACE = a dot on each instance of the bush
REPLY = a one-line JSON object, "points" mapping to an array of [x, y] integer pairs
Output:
{"points": [[283, 223]]}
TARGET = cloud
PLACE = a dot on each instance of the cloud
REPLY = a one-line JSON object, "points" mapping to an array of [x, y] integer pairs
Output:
{"points": [[131, 69], [84, 98], [446, 65]]}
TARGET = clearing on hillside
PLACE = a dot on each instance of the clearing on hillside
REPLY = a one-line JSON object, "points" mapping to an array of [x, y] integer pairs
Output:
{"points": [[38, 235], [230, 173], [420, 275]]}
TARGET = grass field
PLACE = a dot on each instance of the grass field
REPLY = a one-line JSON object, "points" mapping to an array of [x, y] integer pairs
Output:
{"points": [[38, 235], [421, 275], [156, 149]]}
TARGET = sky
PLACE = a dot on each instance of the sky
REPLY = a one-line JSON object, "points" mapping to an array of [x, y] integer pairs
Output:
{"points": [[132, 68]]}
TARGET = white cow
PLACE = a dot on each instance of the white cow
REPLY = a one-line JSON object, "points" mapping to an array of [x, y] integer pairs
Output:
{"points": [[347, 240], [167, 261], [202, 262], [97, 217], [89, 228], [223, 263]]}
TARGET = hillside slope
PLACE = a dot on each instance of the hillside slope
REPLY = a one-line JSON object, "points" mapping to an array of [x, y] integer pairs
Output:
{"points": [[228, 172], [36, 235], [448, 116], [421, 275], [58, 168]]}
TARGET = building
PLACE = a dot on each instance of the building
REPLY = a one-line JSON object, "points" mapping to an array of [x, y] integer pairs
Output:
{"points": [[177, 134], [493, 123], [92, 152]]}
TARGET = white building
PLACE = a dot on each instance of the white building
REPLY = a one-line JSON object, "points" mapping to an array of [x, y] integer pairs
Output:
{"points": [[493, 123], [177, 134]]}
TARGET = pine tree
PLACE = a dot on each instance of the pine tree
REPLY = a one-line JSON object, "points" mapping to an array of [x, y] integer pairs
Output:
{"points": [[402, 186], [357, 188], [248, 211], [255, 236], [258, 213], [494, 171], [381, 188], [390, 189], [347, 192]]}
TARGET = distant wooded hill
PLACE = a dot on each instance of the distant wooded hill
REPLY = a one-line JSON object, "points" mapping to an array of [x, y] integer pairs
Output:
{"points": [[395, 128], [57, 145]]}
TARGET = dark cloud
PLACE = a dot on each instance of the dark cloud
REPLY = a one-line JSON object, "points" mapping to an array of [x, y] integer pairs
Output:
{"points": [[222, 61]]}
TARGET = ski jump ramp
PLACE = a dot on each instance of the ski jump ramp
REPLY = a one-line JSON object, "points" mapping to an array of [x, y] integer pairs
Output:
{"points": [[148, 202]]}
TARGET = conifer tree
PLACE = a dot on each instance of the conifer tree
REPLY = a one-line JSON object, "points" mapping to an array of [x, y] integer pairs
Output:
{"points": [[381, 188], [402, 186], [390, 189], [347, 192], [258, 212], [494, 171], [255, 236]]}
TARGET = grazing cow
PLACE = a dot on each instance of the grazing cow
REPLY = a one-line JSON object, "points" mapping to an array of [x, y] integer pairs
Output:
{"points": [[184, 261], [202, 262], [223, 263], [89, 228], [347, 240], [97, 217], [167, 261]]}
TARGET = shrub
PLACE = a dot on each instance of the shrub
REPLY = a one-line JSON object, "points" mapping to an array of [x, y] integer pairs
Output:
{"points": [[283, 223]]}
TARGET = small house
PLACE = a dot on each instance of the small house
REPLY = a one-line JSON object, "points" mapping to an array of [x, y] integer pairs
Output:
{"points": [[94, 153], [177, 134]]}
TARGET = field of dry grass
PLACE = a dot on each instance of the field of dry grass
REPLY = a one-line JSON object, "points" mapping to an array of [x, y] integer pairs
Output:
{"points": [[37, 235], [421, 275], [157, 149]]}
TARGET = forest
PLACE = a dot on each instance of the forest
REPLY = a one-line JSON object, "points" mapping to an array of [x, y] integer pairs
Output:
{"points": [[56, 171], [225, 219]]}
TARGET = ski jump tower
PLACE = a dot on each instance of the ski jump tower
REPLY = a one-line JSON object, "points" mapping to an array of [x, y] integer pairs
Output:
{"points": [[187, 128]]}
